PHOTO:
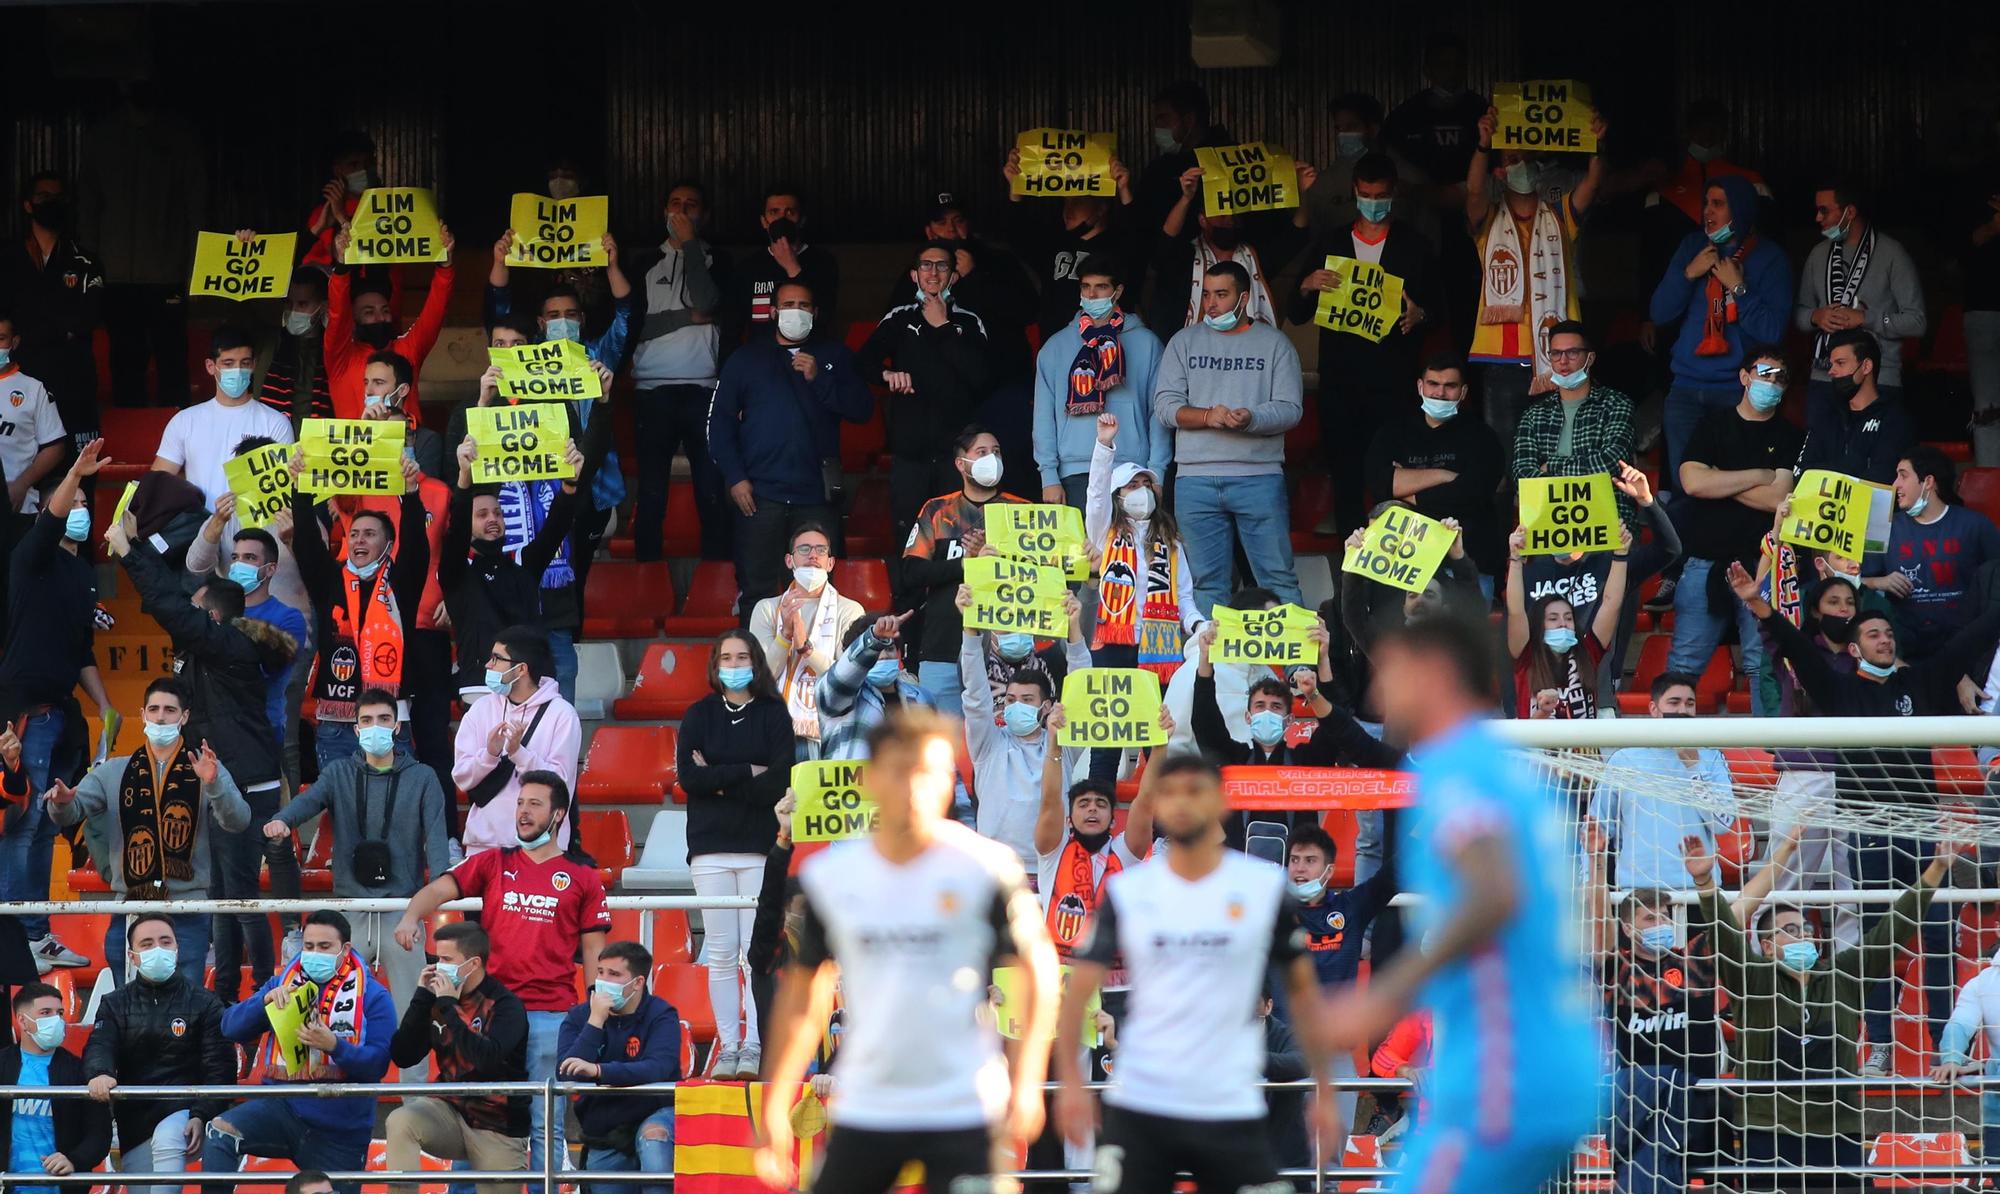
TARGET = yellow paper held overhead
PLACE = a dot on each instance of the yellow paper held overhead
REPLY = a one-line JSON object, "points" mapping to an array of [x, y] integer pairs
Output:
{"points": [[1829, 512], [1401, 548], [261, 479], [357, 456], [1250, 177], [226, 267], [558, 233], [1013, 596], [1058, 163], [1111, 706], [1543, 115], [832, 805], [1561, 515], [1280, 638], [1040, 534], [395, 224], [1367, 303], [528, 442], [551, 369]]}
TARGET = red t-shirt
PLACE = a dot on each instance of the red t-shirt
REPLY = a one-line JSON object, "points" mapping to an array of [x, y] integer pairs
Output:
{"points": [[536, 913], [1576, 700]]}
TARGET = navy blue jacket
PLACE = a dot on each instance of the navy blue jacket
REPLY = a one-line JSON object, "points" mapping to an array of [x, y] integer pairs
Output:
{"points": [[634, 1049], [365, 1062], [771, 427]]}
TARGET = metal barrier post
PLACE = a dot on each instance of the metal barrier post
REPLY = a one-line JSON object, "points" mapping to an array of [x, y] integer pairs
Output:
{"points": [[549, 1167]]}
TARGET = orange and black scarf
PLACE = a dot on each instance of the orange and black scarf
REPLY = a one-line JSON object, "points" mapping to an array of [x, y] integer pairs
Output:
{"points": [[1099, 364], [159, 825], [1720, 306]]}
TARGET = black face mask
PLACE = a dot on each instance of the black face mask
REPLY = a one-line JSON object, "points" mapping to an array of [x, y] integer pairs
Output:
{"points": [[1092, 842], [1836, 629], [375, 335], [1222, 237], [52, 214], [1847, 387], [782, 229]]}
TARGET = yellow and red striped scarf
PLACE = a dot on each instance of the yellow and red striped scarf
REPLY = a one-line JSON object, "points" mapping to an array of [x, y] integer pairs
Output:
{"points": [[715, 1138], [1154, 628]]}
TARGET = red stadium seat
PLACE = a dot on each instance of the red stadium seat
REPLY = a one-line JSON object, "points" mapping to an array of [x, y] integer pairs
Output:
{"points": [[1311, 502], [1979, 488], [627, 765], [1592, 1165], [671, 677], [378, 1159], [1341, 826], [683, 531], [858, 333], [622, 600], [869, 532], [1637, 695], [607, 836], [316, 873], [861, 444], [1362, 1152], [84, 880], [1914, 1150], [1750, 767], [685, 985], [866, 581], [1947, 352], [672, 940], [131, 440], [1958, 772], [1957, 451], [711, 602], [1302, 441]]}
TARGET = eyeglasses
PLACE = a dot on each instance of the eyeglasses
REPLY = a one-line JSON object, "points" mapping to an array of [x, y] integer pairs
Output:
{"points": [[497, 657], [934, 267], [812, 551], [1567, 354], [1800, 930]]}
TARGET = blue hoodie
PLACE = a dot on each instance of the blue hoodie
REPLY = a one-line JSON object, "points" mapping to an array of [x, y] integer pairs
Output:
{"points": [[1761, 314], [1063, 444], [633, 1049], [364, 1063]]}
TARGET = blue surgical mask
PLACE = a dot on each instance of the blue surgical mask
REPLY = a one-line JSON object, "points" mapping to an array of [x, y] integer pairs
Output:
{"points": [[376, 740], [497, 682], [1658, 938], [610, 990], [1875, 669], [1307, 892], [448, 971], [245, 576], [1559, 639], [49, 1031], [1837, 231], [1098, 308], [76, 525], [1163, 140], [299, 323], [6, 357], [1766, 395], [233, 382], [539, 840], [1222, 322], [1919, 506], [364, 571], [1800, 955], [1014, 645], [1721, 235], [1521, 178], [1267, 727], [562, 329], [1022, 719], [1440, 408], [1374, 210], [734, 679], [1350, 145], [162, 734], [319, 967], [1572, 379], [157, 965], [884, 673]]}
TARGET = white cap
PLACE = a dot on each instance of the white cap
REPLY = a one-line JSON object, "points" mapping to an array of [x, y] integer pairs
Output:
{"points": [[1124, 474]]}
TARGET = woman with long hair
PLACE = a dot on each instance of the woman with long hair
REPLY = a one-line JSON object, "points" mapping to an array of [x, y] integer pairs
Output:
{"points": [[735, 755], [1555, 660]]}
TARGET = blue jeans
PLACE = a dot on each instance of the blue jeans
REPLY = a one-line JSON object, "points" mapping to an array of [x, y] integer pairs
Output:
{"points": [[1697, 632], [270, 1128], [27, 852], [562, 644], [1687, 406], [190, 936], [1649, 1129], [542, 1028], [335, 740], [945, 684], [1215, 513], [654, 1156]]}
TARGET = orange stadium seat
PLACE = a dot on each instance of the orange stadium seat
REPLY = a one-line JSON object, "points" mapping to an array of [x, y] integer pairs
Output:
{"points": [[866, 581], [1958, 772], [671, 677], [672, 939], [1751, 767], [1312, 501], [627, 765], [378, 1159], [1914, 1150], [861, 444], [607, 836], [869, 532], [1361, 1152], [131, 440], [1710, 689], [626, 600], [711, 602], [316, 873], [685, 985]]}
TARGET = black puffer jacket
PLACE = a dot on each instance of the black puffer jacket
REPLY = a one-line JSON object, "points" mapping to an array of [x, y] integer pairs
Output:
{"points": [[229, 667], [160, 1034]]}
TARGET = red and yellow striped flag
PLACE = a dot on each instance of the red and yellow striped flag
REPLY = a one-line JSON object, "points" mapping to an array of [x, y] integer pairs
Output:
{"points": [[715, 1137]]}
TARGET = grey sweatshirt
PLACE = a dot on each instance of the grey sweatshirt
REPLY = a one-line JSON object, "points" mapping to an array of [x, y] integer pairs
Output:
{"points": [[1255, 369], [670, 347], [97, 802], [1891, 294], [415, 833], [1007, 771]]}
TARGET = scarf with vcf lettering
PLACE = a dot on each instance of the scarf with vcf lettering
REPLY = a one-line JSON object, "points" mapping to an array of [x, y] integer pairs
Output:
{"points": [[157, 819], [1719, 306], [1099, 364], [1152, 625], [339, 1006]]}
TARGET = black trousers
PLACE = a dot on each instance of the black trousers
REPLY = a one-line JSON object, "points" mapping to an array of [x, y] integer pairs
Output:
{"points": [[233, 864], [1349, 416], [860, 1161], [147, 324], [669, 419], [430, 691], [1143, 1154]]}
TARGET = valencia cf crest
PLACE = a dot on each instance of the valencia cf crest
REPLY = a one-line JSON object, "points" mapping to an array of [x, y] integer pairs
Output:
{"points": [[17, 397], [631, 1046], [1070, 914], [179, 1027], [1235, 909], [560, 881], [344, 663], [947, 903]]}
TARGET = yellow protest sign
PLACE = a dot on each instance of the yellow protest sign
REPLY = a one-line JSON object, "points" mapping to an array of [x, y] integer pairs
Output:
{"points": [[1111, 706], [1048, 535], [261, 479], [1542, 115], [1015, 596], [551, 369], [124, 502], [1280, 638], [558, 233], [286, 1018], [1568, 514], [226, 267], [832, 805], [1367, 302], [1007, 982], [1829, 512], [1401, 548], [363, 456], [1057, 163], [1250, 177], [528, 442], [395, 224]]}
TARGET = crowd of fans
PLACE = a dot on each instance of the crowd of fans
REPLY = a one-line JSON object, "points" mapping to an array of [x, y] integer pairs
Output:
{"points": [[1157, 403]]}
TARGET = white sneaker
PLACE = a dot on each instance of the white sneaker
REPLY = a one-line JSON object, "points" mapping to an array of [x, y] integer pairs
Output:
{"points": [[724, 1069], [750, 1062], [54, 953], [1877, 1065]]}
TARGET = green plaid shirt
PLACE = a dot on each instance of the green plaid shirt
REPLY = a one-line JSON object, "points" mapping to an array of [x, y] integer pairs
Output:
{"points": [[1600, 437]]}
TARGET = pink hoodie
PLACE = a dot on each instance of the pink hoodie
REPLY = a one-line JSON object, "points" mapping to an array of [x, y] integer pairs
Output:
{"points": [[555, 746]]}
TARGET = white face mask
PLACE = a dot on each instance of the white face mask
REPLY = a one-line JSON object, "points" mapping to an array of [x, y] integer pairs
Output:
{"points": [[985, 471], [809, 578], [794, 324], [1138, 503]]}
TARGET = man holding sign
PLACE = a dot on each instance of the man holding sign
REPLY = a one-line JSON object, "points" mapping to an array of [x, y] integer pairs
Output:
{"points": [[349, 1021], [1738, 467], [1268, 713], [360, 322], [1363, 368], [201, 438], [1444, 464], [1181, 264]]}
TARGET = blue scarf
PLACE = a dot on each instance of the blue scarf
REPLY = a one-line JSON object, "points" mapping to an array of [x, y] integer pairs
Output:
{"points": [[524, 519]]}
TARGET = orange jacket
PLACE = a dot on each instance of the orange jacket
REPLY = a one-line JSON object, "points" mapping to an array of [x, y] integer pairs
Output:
{"points": [[347, 358]]}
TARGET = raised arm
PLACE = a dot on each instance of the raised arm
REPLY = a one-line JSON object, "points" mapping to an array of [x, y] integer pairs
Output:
{"points": [[1604, 625], [1049, 818], [1517, 609]]}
